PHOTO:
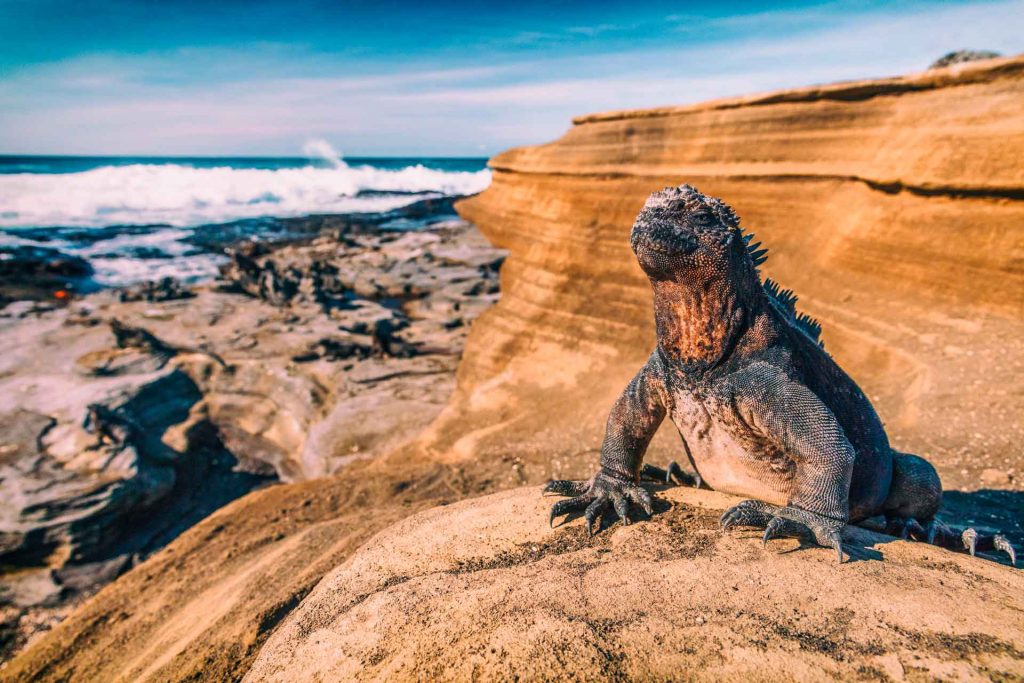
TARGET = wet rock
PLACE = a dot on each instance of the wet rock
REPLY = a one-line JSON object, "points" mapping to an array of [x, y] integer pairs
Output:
{"points": [[87, 236], [135, 252], [122, 423], [33, 272], [164, 289]]}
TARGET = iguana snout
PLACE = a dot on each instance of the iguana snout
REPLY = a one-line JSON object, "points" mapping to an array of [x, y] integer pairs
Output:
{"points": [[680, 229]]}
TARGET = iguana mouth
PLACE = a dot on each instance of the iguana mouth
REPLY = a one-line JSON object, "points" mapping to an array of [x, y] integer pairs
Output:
{"points": [[675, 245]]}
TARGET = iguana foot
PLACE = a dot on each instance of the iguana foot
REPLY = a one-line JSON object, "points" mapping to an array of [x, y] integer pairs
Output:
{"points": [[596, 496], [671, 474], [973, 542], [936, 532], [748, 513], [785, 521]]}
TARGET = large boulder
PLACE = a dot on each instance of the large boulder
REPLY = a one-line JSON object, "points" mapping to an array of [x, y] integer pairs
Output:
{"points": [[484, 590]]}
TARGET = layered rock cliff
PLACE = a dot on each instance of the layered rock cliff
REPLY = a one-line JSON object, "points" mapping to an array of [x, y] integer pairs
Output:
{"points": [[892, 207]]}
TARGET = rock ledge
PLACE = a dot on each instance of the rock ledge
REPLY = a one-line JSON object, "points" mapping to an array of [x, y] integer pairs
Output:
{"points": [[484, 590]]}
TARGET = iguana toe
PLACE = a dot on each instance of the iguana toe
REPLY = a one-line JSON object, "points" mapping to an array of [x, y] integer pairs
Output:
{"points": [[907, 528], [748, 513], [641, 496], [594, 513], [568, 505], [970, 540], [938, 533], [621, 506], [973, 542], [785, 521], [772, 529], [913, 528], [1002, 543], [566, 487]]}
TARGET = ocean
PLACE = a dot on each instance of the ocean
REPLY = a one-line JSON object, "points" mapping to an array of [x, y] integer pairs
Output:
{"points": [[130, 216]]}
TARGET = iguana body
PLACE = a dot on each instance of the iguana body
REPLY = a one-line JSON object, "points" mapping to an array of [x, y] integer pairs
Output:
{"points": [[763, 410], [129, 337]]}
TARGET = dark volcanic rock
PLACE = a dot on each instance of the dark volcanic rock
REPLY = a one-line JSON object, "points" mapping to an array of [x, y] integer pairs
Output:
{"points": [[136, 252], [164, 289], [961, 56], [87, 236], [31, 272]]}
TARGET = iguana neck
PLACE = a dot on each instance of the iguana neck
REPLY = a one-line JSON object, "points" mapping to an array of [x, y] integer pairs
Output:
{"points": [[698, 327]]}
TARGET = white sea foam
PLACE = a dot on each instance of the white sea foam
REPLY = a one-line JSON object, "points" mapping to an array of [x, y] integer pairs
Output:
{"points": [[185, 196], [125, 271]]}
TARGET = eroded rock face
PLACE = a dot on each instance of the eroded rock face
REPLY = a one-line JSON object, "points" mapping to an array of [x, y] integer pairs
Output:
{"points": [[484, 590]]}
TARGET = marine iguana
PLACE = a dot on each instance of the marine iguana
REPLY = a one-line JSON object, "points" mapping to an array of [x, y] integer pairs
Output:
{"points": [[129, 337], [109, 427], [763, 410]]}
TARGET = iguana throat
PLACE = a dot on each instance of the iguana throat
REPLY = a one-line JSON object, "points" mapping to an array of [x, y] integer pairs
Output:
{"points": [[698, 327]]}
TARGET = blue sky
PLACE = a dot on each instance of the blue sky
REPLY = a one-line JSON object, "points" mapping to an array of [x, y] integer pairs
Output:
{"points": [[430, 78]]}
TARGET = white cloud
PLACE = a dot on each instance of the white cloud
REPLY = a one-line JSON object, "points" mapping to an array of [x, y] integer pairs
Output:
{"points": [[154, 103]]}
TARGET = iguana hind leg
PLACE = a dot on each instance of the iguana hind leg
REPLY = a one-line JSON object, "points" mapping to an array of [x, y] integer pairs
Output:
{"points": [[915, 497]]}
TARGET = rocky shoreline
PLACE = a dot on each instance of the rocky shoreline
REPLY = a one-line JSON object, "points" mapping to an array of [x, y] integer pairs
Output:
{"points": [[129, 414]]}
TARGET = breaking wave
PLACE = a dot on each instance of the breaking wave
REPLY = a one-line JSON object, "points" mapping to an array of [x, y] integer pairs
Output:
{"points": [[184, 195]]}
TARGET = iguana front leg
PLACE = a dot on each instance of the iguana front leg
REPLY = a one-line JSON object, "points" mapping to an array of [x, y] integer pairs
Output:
{"points": [[633, 420], [790, 416]]}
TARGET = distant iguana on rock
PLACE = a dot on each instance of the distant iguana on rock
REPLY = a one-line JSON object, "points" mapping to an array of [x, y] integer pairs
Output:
{"points": [[763, 410], [129, 337]]}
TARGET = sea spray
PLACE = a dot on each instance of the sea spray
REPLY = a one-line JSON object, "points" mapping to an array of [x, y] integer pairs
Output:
{"points": [[184, 195]]}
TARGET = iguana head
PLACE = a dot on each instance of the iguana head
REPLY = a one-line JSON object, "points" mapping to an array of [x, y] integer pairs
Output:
{"points": [[682, 234], [703, 272]]}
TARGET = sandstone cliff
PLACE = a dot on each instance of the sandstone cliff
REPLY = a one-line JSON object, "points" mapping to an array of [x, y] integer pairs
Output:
{"points": [[892, 207]]}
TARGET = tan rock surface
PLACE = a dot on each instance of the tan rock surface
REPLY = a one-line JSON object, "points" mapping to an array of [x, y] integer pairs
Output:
{"points": [[484, 590]]}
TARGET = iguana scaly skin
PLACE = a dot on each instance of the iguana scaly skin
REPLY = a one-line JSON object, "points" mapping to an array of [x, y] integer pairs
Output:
{"points": [[763, 410]]}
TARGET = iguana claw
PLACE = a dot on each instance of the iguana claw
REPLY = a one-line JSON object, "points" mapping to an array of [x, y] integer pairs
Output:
{"points": [[593, 514], [566, 487], [748, 513], [907, 528], [594, 497], [570, 505], [935, 532], [771, 530], [778, 521], [970, 540], [1002, 543]]}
